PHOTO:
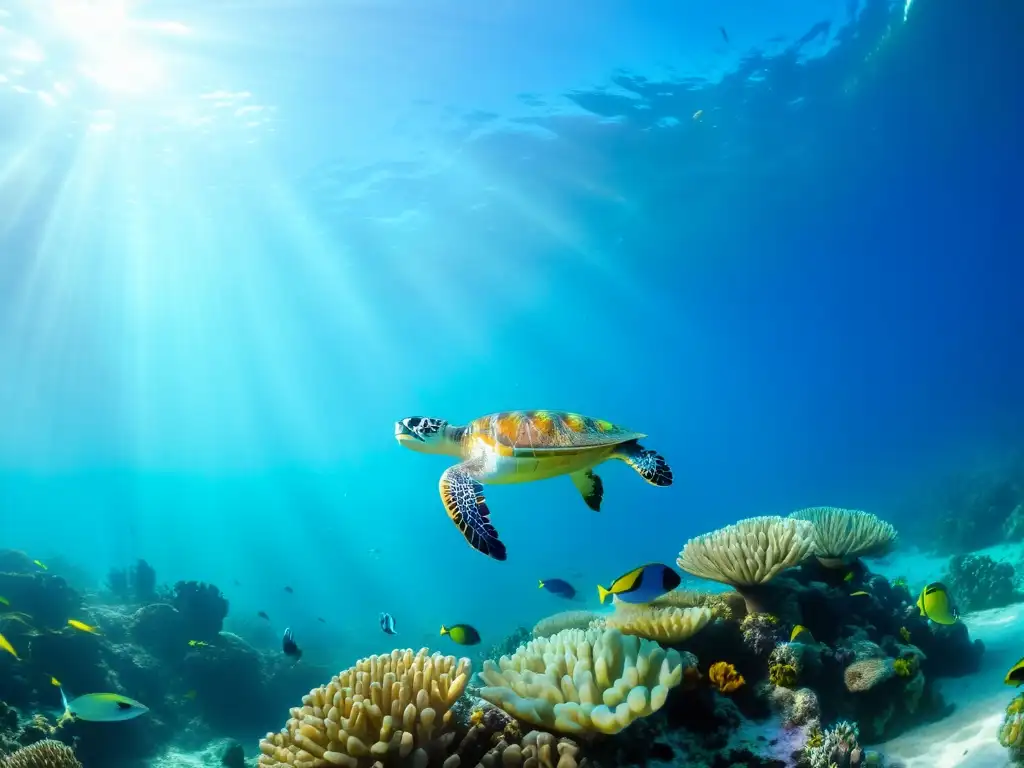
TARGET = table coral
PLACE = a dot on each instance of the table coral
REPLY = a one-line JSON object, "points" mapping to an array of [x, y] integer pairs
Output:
{"points": [[390, 705], [577, 681], [842, 535], [666, 625]]}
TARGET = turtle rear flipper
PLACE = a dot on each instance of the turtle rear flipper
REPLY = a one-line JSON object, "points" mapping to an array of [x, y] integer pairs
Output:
{"points": [[589, 484], [464, 501], [650, 465]]}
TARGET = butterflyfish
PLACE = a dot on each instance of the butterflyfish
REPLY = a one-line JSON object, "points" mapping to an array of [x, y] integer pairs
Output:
{"points": [[387, 624], [102, 707], [1015, 676], [641, 585], [83, 627], [463, 634], [559, 587], [935, 604]]}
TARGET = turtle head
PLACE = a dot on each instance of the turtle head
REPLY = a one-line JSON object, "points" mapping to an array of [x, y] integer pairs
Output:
{"points": [[425, 435]]}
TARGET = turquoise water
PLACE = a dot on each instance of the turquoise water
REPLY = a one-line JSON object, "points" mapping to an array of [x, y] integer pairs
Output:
{"points": [[238, 241]]}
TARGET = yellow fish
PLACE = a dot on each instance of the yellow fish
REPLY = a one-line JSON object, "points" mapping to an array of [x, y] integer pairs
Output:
{"points": [[4, 601], [55, 682], [861, 593], [935, 604], [848, 577], [1016, 674], [36, 562], [802, 632], [82, 626], [197, 643], [6, 646]]}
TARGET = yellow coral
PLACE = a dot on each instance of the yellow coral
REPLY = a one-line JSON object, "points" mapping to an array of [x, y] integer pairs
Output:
{"points": [[724, 676], [782, 674], [905, 667], [476, 716], [583, 681], [666, 625], [383, 706], [1016, 706]]}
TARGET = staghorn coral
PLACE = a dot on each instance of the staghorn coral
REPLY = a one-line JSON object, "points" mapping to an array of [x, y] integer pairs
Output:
{"points": [[385, 706], [42, 754], [842, 535], [865, 674], [583, 681], [666, 625], [724, 677], [838, 747], [552, 625], [748, 554]]}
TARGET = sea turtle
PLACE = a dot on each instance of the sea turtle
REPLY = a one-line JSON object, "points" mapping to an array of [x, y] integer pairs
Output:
{"points": [[520, 447]]}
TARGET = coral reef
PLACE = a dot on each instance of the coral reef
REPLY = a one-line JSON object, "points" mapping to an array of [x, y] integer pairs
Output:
{"points": [[583, 681], [396, 705], [748, 554], [978, 582], [843, 535], [42, 754]]}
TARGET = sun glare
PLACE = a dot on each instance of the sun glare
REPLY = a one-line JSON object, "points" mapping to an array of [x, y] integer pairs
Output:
{"points": [[110, 51]]}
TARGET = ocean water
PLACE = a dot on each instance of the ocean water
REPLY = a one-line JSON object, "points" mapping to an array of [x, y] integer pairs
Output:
{"points": [[239, 240]]}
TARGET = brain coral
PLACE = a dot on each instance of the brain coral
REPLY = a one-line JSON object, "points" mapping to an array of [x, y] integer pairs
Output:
{"points": [[385, 707], [581, 681]]}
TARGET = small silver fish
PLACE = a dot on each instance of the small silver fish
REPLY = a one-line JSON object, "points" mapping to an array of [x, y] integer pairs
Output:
{"points": [[387, 624]]}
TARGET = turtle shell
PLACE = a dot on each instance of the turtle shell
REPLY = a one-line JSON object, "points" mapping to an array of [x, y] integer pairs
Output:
{"points": [[549, 431]]}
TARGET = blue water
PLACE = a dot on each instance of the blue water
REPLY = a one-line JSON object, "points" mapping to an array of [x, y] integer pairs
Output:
{"points": [[237, 242]]}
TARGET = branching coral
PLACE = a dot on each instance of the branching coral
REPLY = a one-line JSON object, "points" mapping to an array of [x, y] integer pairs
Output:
{"points": [[797, 707], [552, 625], [42, 754], [865, 674], [667, 625], [583, 681], [385, 706], [748, 554], [842, 535], [838, 746], [724, 677], [979, 582]]}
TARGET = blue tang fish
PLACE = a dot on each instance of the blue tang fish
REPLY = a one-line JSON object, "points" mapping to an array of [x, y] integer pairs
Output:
{"points": [[641, 585], [559, 587]]}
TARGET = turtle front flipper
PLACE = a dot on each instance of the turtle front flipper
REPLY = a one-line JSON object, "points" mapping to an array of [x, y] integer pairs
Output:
{"points": [[650, 465], [590, 487], [464, 501]]}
